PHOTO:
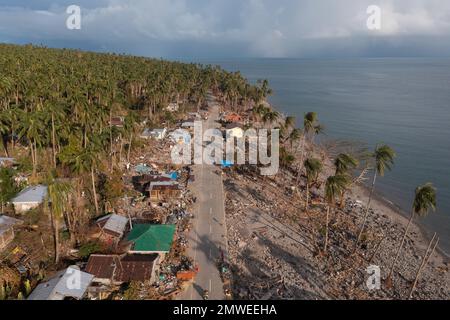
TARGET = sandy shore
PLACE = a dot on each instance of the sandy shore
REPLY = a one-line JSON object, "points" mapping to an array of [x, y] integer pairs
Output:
{"points": [[275, 245], [420, 234]]}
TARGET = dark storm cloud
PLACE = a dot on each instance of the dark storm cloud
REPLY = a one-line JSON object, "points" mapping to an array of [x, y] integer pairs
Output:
{"points": [[236, 28]]}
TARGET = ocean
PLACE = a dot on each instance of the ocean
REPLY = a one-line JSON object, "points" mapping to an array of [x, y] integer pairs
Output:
{"points": [[404, 103]]}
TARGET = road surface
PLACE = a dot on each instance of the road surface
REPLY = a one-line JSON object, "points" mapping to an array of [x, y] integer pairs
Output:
{"points": [[208, 237]]}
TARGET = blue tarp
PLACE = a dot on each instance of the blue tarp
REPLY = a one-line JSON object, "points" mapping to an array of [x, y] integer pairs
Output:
{"points": [[142, 169], [226, 164], [173, 175]]}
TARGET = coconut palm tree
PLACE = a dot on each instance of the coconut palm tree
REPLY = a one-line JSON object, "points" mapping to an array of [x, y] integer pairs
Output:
{"points": [[313, 168], [289, 122], [58, 193], [270, 117], [83, 161], [334, 186], [344, 163], [384, 159], [424, 201], [4, 129]]}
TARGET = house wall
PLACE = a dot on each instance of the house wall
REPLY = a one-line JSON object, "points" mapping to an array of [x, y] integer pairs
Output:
{"points": [[6, 237], [24, 207]]}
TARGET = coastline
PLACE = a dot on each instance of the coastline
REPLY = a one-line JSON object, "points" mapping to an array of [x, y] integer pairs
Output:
{"points": [[384, 204], [388, 207], [284, 241]]}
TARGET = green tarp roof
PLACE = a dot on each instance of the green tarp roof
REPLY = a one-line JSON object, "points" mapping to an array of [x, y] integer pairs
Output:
{"points": [[154, 238]]}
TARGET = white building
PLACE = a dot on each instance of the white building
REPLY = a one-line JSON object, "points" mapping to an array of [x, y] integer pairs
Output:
{"points": [[68, 283], [157, 134], [29, 198]]}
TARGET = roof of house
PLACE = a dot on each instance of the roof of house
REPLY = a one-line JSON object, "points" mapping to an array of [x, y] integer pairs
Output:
{"points": [[152, 238], [151, 132], [233, 117], [3, 159], [117, 121], [132, 267], [113, 223], [162, 185], [233, 126], [7, 222], [63, 285], [187, 124], [148, 178], [33, 194]]}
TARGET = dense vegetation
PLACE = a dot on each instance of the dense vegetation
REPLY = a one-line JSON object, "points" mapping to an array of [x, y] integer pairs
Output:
{"points": [[56, 108]]}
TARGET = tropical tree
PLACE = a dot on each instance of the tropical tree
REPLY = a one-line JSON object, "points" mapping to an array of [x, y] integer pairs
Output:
{"points": [[4, 130], [334, 186], [424, 201], [313, 168], [82, 161], [344, 163], [270, 117], [58, 193], [384, 159], [309, 123]]}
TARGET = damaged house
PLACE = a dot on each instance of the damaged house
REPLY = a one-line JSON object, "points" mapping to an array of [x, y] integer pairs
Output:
{"points": [[29, 198], [151, 238], [70, 283], [112, 228], [7, 225], [163, 191], [115, 270]]}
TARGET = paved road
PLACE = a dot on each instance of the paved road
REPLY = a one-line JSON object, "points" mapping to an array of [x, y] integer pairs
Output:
{"points": [[208, 236]]}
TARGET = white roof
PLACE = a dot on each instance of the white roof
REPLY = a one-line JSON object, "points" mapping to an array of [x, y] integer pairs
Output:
{"points": [[187, 124], [34, 194], [3, 159], [71, 283], [7, 222], [115, 223]]}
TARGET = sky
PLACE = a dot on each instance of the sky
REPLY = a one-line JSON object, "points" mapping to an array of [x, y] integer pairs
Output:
{"points": [[234, 28]]}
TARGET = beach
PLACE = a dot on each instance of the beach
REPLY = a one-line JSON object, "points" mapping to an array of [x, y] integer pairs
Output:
{"points": [[402, 102], [276, 246]]}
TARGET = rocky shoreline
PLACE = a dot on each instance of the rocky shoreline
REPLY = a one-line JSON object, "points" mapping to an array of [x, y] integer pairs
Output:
{"points": [[275, 245]]}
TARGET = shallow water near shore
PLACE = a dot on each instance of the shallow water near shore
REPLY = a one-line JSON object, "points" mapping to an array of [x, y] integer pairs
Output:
{"points": [[401, 102]]}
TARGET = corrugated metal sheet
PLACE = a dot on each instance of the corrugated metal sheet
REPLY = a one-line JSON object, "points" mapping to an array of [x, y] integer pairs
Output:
{"points": [[7, 222], [152, 238], [114, 223], [132, 267], [63, 285], [34, 194]]}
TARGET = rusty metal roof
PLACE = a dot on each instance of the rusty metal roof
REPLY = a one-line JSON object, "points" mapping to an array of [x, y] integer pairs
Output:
{"points": [[132, 267]]}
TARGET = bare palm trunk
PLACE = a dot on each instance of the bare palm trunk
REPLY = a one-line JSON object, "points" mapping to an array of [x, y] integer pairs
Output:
{"points": [[326, 229], [425, 261], [302, 154], [53, 141], [391, 270], [33, 158], [111, 140], [55, 235], [307, 197], [129, 148], [366, 214], [121, 148], [94, 191]]}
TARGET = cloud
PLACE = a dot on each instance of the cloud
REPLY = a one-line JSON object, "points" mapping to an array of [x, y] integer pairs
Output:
{"points": [[213, 28]]}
